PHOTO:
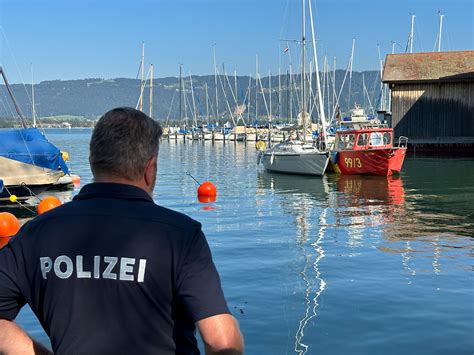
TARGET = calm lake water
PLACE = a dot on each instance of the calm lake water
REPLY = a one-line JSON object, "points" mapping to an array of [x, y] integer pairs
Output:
{"points": [[332, 265]]}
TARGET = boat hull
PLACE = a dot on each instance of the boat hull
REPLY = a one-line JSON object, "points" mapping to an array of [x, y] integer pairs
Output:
{"points": [[301, 164], [22, 179], [382, 162]]}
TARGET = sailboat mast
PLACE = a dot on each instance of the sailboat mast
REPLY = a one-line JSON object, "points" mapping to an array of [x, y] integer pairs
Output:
{"points": [[33, 113], [215, 82], [350, 76], [235, 84], [318, 84], [10, 92], [194, 101], [270, 94], [411, 32], [440, 30], [303, 84], [288, 86], [291, 94], [142, 74], [207, 103], [180, 93], [256, 87], [151, 90], [279, 95]]}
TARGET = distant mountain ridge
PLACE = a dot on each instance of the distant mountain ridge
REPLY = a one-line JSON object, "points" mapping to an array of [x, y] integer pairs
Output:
{"points": [[92, 97]]}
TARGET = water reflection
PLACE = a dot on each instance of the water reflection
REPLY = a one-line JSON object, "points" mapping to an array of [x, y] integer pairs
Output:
{"points": [[304, 199], [381, 207]]}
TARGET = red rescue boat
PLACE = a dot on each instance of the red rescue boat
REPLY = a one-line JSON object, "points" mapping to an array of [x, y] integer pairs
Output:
{"points": [[366, 147]]}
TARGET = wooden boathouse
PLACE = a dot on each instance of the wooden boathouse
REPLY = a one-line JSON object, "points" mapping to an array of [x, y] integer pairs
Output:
{"points": [[432, 100]]}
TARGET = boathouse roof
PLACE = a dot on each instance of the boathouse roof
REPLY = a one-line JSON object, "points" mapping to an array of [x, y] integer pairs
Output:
{"points": [[429, 67]]}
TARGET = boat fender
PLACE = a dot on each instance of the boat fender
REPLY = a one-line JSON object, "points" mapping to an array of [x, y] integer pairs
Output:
{"points": [[260, 145], [65, 155], [272, 157]]}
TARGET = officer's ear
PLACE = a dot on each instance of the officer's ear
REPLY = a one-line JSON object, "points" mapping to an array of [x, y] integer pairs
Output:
{"points": [[150, 172]]}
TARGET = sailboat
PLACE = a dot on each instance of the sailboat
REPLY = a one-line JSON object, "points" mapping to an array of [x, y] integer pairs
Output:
{"points": [[29, 163], [299, 156]]}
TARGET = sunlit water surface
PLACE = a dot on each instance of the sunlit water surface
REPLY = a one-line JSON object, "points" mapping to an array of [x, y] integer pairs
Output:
{"points": [[332, 265]]}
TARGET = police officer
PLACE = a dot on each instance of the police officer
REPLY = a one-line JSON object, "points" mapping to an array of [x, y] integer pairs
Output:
{"points": [[112, 272]]}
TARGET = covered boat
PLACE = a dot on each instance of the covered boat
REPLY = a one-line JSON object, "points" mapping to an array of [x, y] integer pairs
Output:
{"points": [[29, 163]]}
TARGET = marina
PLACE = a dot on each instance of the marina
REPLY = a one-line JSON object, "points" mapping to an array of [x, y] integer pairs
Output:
{"points": [[335, 192], [308, 261]]}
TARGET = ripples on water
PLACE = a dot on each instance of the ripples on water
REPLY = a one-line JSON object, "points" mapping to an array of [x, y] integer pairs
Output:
{"points": [[339, 264]]}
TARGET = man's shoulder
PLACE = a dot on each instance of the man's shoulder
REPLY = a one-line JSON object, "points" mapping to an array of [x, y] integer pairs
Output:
{"points": [[173, 218]]}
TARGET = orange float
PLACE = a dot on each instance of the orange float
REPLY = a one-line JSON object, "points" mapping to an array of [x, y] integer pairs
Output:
{"points": [[9, 225], [206, 199], [48, 203], [207, 189]]}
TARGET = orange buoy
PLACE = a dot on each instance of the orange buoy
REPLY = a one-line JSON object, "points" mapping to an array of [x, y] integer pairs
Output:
{"points": [[48, 203], [4, 241], [207, 189], [9, 225], [206, 199]]}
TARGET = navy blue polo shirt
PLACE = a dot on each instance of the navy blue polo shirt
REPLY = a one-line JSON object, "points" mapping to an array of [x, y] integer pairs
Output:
{"points": [[111, 272]]}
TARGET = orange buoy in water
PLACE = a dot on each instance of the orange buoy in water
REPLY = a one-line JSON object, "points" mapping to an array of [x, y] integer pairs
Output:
{"points": [[9, 225], [48, 203], [76, 180], [207, 189], [206, 199]]}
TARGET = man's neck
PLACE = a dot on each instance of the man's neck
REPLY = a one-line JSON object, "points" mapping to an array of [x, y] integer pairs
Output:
{"points": [[121, 180]]}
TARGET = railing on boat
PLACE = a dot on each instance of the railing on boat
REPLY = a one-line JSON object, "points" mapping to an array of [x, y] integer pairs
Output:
{"points": [[402, 142]]}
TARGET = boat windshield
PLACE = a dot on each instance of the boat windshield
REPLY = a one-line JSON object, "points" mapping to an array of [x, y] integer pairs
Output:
{"points": [[345, 141], [376, 139], [362, 140]]}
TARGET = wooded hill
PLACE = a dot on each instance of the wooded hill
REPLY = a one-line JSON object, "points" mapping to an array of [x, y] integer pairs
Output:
{"points": [[90, 98]]}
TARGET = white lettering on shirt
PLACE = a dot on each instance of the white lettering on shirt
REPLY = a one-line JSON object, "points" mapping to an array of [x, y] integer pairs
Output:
{"points": [[81, 274], [141, 270], [46, 264], [63, 267], [126, 269], [63, 259], [96, 267], [112, 261]]}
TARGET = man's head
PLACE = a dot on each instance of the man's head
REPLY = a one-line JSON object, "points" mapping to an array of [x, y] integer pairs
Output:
{"points": [[124, 148]]}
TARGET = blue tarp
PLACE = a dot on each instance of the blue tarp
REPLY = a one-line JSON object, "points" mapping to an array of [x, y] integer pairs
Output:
{"points": [[29, 145]]}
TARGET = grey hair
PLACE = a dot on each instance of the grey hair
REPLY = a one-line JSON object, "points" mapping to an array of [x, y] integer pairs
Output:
{"points": [[123, 142]]}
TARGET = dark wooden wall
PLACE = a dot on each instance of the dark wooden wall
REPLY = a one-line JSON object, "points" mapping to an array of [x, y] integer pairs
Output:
{"points": [[433, 110]]}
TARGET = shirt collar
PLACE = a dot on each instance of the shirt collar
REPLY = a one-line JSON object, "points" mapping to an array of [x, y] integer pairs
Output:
{"points": [[112, 190]]}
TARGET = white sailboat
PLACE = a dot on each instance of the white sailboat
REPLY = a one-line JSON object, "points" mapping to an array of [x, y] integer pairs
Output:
{"points": [[299, 156]]}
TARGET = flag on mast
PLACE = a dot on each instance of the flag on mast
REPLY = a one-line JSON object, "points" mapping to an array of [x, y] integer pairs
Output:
{"points": [[286, 49]]}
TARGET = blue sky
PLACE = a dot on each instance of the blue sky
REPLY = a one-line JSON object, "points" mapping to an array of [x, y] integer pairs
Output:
{"points": [[71, 39]]}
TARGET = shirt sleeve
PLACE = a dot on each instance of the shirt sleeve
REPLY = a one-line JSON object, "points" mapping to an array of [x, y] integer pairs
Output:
{"points": [[198, 283], [11, 299]]}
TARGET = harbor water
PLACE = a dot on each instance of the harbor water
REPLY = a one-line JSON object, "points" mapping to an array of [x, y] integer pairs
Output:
{"points": [[332, 265]]}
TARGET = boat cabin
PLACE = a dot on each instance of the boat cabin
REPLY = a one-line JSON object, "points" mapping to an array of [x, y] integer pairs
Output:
{"points": [[364, 139]]}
